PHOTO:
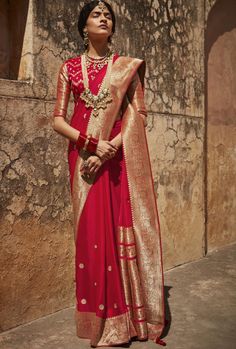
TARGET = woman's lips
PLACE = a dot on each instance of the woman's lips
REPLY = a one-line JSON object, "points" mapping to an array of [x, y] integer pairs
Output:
{"points": [[104, 26]]}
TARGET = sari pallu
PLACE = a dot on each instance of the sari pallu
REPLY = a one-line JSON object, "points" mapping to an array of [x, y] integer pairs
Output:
{"points": [[134, 248]]}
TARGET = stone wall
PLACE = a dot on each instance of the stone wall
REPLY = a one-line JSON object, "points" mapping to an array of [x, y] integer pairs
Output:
{"points": [[36, 218], [36, 221]]}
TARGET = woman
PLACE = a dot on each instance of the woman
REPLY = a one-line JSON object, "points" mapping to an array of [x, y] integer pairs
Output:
{"points": [[118, 259]]}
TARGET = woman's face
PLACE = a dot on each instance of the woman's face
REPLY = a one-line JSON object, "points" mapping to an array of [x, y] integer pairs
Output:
{"points": [[99, 23]]}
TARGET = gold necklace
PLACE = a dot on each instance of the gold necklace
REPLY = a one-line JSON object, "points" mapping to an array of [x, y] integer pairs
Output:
{"points": [[97, 63], [103, 98]]}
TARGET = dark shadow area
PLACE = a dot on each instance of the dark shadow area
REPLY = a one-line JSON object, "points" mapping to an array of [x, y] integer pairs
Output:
{"points": [[222, 18], [167, 311], [13, 17]]}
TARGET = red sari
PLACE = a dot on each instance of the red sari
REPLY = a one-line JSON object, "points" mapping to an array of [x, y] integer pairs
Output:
{"points": [[114, 255]]}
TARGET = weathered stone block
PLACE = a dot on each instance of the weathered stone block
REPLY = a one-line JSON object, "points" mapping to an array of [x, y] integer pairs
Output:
{"points": [[176, 152], [37, 266]]}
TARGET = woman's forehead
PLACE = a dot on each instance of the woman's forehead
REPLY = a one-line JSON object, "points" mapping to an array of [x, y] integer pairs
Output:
{"points": [[98, 9]]}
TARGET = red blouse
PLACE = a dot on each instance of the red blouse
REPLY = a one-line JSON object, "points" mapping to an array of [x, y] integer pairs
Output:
{"points": [[70, 78]]}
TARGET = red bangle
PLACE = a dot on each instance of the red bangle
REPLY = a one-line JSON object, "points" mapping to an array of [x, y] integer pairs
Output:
{"points": [[92, 145], [81, 141]]}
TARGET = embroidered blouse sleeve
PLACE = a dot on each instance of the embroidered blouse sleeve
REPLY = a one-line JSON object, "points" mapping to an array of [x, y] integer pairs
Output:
{"points": [[63, 92], [135, 95]]}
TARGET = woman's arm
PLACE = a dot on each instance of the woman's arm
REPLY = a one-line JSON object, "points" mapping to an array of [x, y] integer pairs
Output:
{"points": [[60, 109], [117, 141], [63, 128]]}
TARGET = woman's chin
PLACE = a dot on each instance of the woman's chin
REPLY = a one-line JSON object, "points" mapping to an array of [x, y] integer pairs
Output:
{"points": [[101, 34]]}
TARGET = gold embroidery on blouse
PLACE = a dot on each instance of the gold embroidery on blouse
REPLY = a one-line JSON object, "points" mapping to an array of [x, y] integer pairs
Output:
{"points": [[63, 92]]}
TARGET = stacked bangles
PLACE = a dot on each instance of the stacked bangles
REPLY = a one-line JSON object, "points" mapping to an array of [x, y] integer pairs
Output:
{"points": [[87, 143]]}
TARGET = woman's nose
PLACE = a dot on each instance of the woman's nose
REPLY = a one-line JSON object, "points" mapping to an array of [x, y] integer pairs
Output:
{"points": [[103, 18]]}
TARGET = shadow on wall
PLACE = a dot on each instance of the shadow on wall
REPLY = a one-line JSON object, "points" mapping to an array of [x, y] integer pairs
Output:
{"points": [[220, 134], [13, 16], [223, 22]]}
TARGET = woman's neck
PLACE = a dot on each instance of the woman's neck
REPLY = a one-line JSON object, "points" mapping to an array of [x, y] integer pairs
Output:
{"points": [[97, 49]]}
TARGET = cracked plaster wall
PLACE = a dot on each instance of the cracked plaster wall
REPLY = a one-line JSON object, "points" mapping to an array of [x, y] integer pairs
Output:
{"points": [[36, 224], [36, 235]]}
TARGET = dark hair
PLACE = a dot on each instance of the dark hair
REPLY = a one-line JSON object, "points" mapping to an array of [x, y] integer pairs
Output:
{"points": [[85, 12]]}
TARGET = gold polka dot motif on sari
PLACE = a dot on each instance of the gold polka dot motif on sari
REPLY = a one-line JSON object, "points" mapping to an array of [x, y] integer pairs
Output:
{"points": [[101, 307]]}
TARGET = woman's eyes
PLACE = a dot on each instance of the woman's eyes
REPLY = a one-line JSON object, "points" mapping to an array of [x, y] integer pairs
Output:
{"points": [[108, 16]]}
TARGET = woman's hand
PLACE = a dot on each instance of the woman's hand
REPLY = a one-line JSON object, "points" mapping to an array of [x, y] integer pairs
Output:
{"points": [[106, 150], [93, 164]]}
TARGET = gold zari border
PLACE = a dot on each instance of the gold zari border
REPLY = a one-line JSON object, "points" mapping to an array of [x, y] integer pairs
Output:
{"points": [[144, 215], [110, 331], [104, 332], [131, 280]]}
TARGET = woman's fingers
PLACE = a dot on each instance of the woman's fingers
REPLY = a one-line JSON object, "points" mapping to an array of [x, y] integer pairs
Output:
{"points": [[92, 169], [112, 148], [91, 166], [112, 145], [107, 157], [106, 148], [112, 154]]}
